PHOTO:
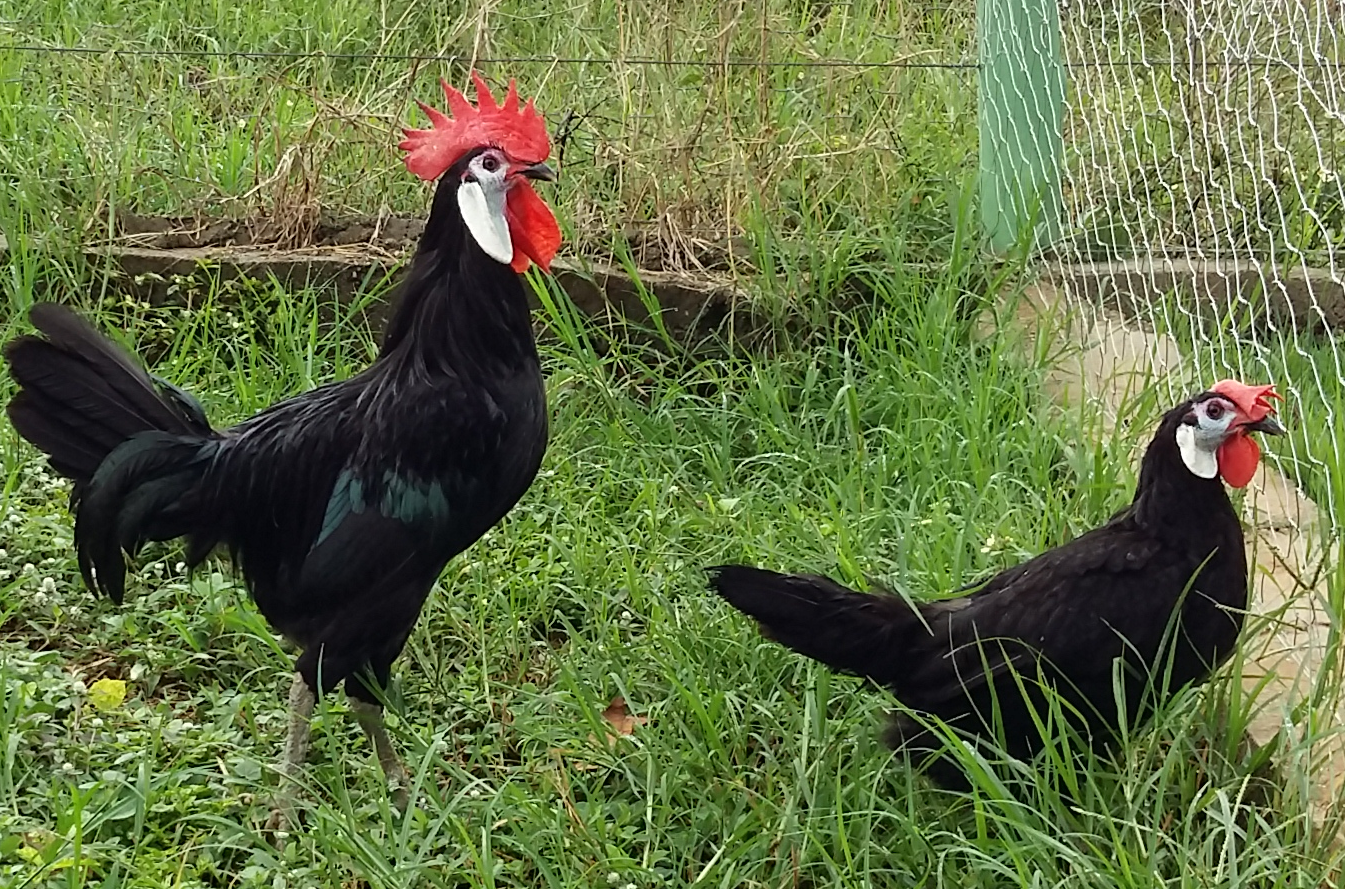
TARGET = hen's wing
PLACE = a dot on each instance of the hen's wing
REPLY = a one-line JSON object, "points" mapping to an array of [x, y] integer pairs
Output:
{"points": [[1078, 608]]}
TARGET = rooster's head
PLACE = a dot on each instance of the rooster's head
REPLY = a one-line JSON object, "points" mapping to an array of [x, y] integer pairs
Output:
{"points": [[1213, 436], [495, 150]]}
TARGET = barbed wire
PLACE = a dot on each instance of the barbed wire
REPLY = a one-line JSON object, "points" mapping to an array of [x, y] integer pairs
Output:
{"points": [[1227, 62], [293, 55]]}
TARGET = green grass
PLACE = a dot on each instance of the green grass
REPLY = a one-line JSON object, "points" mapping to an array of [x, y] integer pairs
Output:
{"points": [[1317, 400], [889, 445], [677, 119]]}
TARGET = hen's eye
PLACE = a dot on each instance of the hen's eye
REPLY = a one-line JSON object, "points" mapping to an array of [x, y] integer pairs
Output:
{"points": [[1214, 410], [490, 164]]}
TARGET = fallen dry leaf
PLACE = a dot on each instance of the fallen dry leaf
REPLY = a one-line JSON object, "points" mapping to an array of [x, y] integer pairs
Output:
{"points": [[107, 694], [619, 718]]}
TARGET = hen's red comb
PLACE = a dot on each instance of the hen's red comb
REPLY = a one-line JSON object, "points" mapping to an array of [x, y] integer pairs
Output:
{"points": [[1254, 401], [520, 133]]}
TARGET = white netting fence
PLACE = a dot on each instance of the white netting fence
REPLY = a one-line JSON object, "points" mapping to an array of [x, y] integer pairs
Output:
{"points": [[1204, 228], [1204, 145]]}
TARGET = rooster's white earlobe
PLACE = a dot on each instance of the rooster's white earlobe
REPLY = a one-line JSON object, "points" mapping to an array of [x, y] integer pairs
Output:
{"points": [[483, 211], [1200, 461]]}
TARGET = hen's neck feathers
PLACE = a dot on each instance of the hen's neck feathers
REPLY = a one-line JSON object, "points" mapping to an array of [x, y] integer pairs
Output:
{"points": [[1170, 498], [457, 310]]}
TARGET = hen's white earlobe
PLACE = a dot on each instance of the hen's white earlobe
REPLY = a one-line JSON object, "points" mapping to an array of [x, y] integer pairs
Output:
{"points": [[1200, 461]]}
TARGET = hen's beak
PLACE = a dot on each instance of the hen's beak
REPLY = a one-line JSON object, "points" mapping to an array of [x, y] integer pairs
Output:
{"points": [[1269, 425], [538, 171]]}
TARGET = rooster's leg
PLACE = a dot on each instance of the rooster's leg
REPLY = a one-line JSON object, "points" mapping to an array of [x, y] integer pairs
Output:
{"points": [[370, 718], [302, 701]]}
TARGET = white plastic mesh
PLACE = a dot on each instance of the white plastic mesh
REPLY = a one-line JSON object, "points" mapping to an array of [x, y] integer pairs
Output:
{"points": [[1202, 192]]}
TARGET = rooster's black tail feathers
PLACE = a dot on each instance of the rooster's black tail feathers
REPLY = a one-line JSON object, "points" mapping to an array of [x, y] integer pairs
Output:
{"points": [[852, 632], [133, 445], [81, 396]]}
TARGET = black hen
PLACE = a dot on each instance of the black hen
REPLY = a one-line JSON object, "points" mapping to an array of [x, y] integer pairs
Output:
{"points": [[1063, 618], [340, 506]]}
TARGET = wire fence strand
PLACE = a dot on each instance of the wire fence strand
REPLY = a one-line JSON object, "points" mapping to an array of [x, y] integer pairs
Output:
{"points": [[457, 59]]}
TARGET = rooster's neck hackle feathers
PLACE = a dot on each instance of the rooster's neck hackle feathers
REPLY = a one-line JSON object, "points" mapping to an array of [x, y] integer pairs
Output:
{"points": [[458, 310]]}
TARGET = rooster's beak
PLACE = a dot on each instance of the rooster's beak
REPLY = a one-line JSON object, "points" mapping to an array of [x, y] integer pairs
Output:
{"points": [[1269, 425], [538, 171]]}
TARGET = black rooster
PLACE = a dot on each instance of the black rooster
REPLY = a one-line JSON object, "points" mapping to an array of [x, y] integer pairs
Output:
{"points": [[342, 505], [1061, 619]]}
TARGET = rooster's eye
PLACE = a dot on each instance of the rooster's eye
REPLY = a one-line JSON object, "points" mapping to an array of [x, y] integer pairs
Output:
{"points": [[1215, 410], [490, 164]]}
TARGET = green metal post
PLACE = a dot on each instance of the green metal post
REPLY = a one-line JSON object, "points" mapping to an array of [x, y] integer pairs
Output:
{"points": [[1021, 112]]}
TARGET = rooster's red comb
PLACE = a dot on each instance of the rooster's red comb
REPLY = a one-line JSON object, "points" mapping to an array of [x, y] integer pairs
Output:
{"points": [[521, 133], [1254, 401]]}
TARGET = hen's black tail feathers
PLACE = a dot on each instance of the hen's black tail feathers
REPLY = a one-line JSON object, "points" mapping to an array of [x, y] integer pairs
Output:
{"points": [[133, 445], [852, 632]]}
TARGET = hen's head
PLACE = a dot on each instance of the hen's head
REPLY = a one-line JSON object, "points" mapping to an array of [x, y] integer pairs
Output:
{"points": [[1214, 434], [493, 150]]}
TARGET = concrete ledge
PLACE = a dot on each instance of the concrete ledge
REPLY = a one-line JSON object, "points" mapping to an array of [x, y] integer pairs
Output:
{"points": [[690, 309], [350, 255], [1252, 293], [144, 262]]}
